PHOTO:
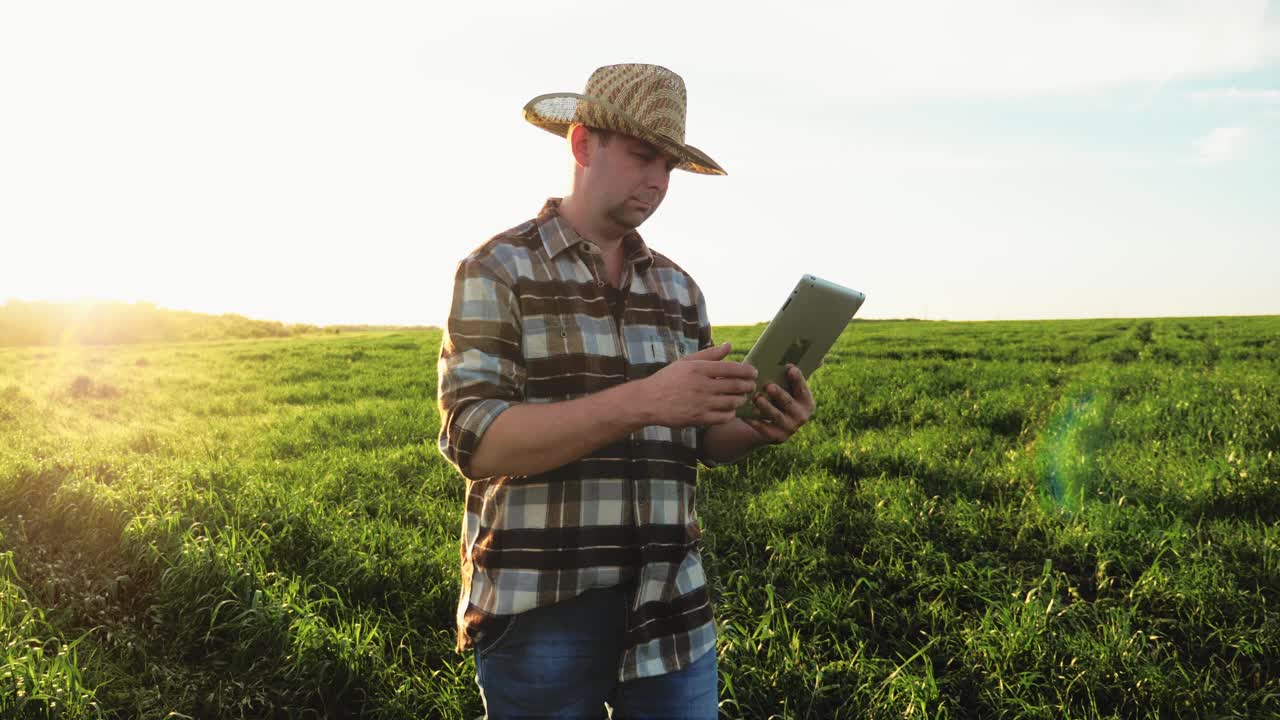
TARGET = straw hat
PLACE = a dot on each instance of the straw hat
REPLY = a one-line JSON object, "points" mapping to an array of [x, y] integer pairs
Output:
{"points": [[644, 101]]}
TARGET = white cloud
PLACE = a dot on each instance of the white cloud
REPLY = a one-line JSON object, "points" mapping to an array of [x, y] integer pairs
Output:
{"points": [[956, 49], [1236, 95], [815, 50], [1221, 144], [890, 154]]}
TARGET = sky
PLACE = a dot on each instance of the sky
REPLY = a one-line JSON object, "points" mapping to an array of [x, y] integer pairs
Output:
{"points": [[331, 163]]}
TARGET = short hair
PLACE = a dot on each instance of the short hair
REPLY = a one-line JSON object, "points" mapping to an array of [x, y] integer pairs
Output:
{"points": [[606, 136]]}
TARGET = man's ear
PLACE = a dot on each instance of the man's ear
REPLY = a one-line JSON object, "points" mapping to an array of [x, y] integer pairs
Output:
{"points": [[579, 144]]}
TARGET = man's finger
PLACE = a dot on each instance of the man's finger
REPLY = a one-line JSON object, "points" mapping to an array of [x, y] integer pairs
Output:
{"points": [[730, 386], [715, 352], [727, 368], [768, 410], [781, 398], [787, 403], [718, 417], [726, 402], [767, 431], [800, 387], [784, 409], [725, 417]]}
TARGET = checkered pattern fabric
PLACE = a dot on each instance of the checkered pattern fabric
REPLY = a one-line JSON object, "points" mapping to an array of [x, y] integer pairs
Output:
{"points": [[643, 101], [534, 321]]}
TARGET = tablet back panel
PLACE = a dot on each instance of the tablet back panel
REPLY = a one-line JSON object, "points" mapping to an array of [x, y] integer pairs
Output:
{"points": [[803, 330]]}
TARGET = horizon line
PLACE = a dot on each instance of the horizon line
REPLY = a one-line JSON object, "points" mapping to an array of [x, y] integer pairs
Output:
{"points": [[401, 325]]}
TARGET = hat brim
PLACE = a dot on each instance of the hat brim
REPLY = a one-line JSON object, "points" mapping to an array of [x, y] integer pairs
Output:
{"points": [[557, 112]]}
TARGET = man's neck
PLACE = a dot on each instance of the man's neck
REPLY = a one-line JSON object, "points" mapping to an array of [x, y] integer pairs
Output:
{"points": [[597, 230]]}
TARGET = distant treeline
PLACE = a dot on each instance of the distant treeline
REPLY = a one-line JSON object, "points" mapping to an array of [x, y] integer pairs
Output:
{"points": [[47, 323]]}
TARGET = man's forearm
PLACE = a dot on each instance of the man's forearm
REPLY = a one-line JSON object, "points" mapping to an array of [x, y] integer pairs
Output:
{"points": [[730, 442], [532, 438]]}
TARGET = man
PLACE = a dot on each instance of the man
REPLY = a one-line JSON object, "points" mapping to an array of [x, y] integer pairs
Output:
{"points": [[578, 391]]}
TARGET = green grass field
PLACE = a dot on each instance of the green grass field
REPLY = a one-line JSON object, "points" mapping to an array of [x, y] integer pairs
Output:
{"points": [[1032, 519]]}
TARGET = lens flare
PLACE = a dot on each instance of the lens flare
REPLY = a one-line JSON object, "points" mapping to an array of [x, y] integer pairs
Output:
{"points": [[1068, 451]]}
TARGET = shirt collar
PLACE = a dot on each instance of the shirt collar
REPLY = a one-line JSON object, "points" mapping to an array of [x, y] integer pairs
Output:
{"points": [[557, 236]]}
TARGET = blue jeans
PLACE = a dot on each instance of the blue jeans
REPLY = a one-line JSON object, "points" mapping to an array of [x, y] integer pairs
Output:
{"points": [[561, 661]]}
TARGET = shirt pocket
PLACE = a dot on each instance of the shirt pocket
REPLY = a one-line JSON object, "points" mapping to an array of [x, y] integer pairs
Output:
{"points": [[664, 346]]}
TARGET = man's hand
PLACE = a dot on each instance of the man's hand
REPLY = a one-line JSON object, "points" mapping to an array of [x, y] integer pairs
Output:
{"points": [[698, 389], [783, 413]]}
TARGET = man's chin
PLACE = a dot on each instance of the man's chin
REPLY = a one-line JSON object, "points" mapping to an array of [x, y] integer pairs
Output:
{"points": [[630, 219]]}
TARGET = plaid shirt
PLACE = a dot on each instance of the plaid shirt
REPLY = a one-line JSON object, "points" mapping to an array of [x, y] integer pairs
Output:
{"points": [[535, 321]]}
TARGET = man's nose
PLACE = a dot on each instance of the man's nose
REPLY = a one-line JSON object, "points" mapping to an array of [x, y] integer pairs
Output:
{"points": [[659, 176]]}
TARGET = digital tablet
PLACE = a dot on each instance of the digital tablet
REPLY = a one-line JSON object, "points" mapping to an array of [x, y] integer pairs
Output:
{"points": [[803, 330]]}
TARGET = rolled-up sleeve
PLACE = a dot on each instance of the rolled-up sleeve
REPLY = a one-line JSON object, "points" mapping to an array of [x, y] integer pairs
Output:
{"points": [[481, 366], [704, 342]]}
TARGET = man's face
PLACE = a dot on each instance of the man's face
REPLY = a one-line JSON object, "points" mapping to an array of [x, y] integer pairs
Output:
{"points": [[628, 179]]}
